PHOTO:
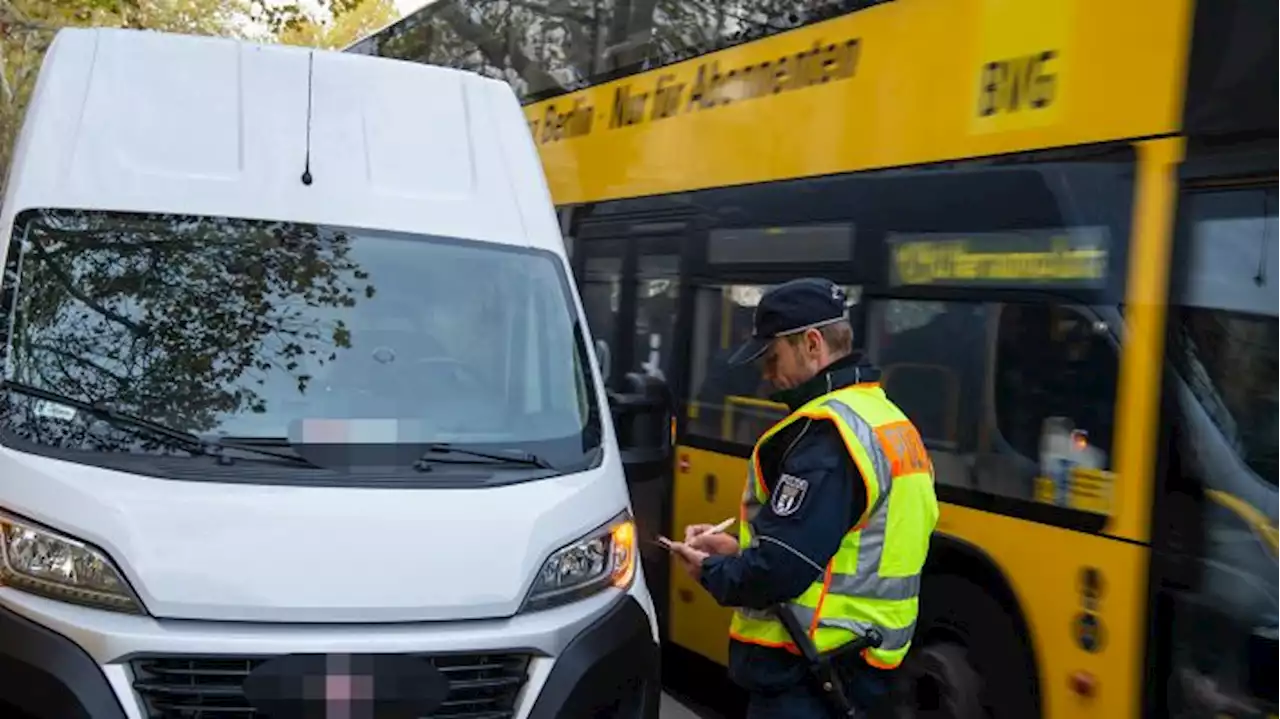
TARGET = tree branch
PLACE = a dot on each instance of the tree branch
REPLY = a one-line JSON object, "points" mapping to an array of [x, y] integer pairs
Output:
{"points": [[83, 361], [69, 285], [578, 17], [495, 50]]}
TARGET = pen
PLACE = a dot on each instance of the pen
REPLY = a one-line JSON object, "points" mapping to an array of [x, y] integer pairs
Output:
{"points": [[719, 527], [665, 543]]}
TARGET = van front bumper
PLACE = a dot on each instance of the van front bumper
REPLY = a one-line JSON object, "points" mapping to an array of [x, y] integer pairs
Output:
{"points": [[45, 675], [611, 669], [57, 661]]}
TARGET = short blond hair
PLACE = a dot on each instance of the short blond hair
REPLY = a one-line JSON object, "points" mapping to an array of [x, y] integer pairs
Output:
{"points": [[838, 336]]}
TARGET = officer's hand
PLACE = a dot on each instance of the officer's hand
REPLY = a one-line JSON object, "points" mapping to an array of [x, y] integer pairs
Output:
{"points": [[717, 543], [694, 530], [691, 559]]}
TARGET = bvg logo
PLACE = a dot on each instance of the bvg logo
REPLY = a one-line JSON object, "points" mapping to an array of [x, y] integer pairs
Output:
{"points": [[1022, 65], [1018, 84]]}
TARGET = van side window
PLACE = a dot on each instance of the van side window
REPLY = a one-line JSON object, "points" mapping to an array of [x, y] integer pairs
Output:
{"points": [[9, 301]]}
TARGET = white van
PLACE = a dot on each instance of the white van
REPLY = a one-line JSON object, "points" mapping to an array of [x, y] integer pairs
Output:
{"points": [[298, 402]]}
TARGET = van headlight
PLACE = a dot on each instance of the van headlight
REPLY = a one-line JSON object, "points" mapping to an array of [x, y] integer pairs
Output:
{"points": [[604, 557], [40, 561]]}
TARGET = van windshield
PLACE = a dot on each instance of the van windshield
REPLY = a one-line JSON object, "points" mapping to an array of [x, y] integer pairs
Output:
{"points": [[256, 330]]}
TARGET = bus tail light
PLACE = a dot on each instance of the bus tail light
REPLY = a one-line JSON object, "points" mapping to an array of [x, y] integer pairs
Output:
{"points": [[1084, 684]]}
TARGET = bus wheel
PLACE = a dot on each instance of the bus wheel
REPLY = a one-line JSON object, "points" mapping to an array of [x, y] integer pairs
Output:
{"points": [[940, 683], [969, 648]]}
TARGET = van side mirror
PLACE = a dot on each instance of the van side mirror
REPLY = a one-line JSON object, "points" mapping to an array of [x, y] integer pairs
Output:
{"points": [[642, 417]]}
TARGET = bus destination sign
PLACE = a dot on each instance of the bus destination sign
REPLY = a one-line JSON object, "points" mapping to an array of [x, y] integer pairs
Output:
{"points": [[1075, 257]]}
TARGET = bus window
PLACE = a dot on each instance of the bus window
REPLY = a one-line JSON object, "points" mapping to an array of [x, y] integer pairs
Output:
{"points": [[1229, 361], [933, 358], [657, 304], [1054, 391], [731, 404], [1012, 400], [771, 245], [1224, 338]]}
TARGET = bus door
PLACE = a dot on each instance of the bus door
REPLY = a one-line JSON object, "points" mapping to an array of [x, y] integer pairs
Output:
{"points": [[599, 267], [630, 279], [1216, 514], [728, 407]]}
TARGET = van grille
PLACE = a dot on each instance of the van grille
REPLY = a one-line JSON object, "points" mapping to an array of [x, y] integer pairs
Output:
{"points": [[481, 686]]}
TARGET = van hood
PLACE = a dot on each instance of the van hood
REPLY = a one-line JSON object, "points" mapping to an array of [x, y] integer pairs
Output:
{"points": [[239, 552]]}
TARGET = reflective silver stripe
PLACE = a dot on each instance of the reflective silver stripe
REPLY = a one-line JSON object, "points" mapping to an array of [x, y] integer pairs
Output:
{"points": [[867, 582], [757, 614], [749, 500], [749, 491], [871, 541], [891, 639], [870, 444], [873, 587]]}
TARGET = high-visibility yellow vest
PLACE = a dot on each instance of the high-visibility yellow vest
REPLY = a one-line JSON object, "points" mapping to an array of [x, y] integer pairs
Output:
{"points": [[873, 580]]}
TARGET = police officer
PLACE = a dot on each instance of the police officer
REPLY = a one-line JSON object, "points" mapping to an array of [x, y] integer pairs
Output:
{"points": [[818, 533]]}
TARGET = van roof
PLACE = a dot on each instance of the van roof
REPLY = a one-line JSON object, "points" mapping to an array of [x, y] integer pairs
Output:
{"points": [[134, 120]]}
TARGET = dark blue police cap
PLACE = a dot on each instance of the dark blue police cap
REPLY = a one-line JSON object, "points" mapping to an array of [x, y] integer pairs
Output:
{"points": [[791, 308]]}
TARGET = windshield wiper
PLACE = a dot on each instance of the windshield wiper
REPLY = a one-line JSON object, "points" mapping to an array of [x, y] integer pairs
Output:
{"points": [[444, 448], [176, 437]]}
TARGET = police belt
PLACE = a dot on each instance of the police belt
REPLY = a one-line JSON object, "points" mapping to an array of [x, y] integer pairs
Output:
{"points": [[823, 666]]}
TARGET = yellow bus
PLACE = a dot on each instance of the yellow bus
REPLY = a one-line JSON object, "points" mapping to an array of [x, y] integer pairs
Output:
{"points": [[1058, 221]]}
